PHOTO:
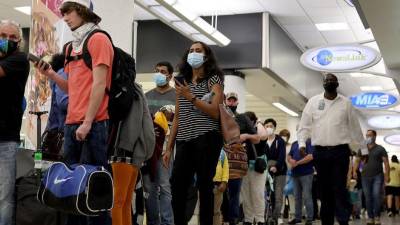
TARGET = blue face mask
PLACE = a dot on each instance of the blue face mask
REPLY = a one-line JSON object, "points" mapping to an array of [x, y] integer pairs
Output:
{"points": [[195, 59], [160, 79]]}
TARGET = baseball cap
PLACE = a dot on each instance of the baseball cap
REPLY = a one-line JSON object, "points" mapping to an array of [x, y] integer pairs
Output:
{"points": [[232, 95], [87, 3]]}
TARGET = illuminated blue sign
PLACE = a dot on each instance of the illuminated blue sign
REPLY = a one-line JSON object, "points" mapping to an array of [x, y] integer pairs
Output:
{"points": [[340, 58], [373, 100]]}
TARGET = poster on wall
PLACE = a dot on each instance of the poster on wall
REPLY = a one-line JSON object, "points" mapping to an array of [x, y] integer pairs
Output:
{"points": [[48, 33]]}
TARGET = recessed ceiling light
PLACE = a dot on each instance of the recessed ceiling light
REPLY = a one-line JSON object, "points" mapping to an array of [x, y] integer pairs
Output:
{"points": [[285, 109], [384, 122], [371, 88], [24, 9], [332, 26]]}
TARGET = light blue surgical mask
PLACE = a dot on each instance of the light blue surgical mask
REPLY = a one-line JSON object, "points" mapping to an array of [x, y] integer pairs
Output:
{"points": [[160, 79], [370, 140], [195, 59]]}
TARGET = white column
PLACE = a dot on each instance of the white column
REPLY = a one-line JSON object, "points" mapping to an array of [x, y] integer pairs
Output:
{"points": [[236, 83], [117, 19]]}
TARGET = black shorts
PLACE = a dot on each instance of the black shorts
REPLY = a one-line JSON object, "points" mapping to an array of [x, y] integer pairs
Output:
{"points": [[390, 190]]}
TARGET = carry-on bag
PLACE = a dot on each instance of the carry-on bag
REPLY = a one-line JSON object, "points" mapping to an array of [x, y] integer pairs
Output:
{"points": [[80, 189]]}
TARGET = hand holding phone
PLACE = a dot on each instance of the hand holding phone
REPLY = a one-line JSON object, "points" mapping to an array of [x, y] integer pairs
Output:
{"points": [[33, 58], [180, 79]]}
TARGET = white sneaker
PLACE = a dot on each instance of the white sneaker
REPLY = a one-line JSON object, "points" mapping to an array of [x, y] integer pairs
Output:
{"points": [[280, 221]]}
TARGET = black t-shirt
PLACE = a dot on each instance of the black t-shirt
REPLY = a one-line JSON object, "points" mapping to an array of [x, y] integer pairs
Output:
{"points": [[246, 127], [12, 88]]}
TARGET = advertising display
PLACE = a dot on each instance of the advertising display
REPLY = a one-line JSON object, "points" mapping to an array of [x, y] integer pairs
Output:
{"points": [[340, 58], [373, 100]]}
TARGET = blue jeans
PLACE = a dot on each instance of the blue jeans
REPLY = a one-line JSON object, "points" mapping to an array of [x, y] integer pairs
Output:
{"points": [[302, 188], [8, 152], [92, 151], [372, 187], [158, 203], [234, 186]]}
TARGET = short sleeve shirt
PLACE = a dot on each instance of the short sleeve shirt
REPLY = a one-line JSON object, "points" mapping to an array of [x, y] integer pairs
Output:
{"points": [[192, 121], [80, 79], [374, 164], [156, 100], [304, 169]]}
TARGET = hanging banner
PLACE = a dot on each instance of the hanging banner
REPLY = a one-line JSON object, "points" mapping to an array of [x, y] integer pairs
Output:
{"points": [[340, 58], [47, 34]]}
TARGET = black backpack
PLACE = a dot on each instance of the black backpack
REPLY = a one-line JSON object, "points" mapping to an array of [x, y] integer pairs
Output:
{"points": [[122, 91]]}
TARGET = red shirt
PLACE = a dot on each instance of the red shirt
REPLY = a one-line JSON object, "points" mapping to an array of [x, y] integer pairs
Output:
{"points": [[80, 79]]}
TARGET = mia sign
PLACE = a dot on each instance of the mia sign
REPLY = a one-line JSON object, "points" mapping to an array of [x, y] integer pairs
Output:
{"points": [[340, 58], [373, 100]]}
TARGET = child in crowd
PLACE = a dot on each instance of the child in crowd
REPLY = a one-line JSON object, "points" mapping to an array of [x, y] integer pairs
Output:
{"points": [[220, 182]]}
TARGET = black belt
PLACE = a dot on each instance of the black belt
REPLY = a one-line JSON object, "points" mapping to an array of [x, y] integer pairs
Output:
{"points": [[319, 147]]}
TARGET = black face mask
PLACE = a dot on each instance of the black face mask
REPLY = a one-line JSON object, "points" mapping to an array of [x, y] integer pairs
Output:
{"points": [[331, 87], [7, 47], [233, 108]]}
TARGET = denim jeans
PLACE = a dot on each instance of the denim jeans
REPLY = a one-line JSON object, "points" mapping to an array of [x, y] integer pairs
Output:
{"points": [[302, 187], [158, 203], [234, 187], [372, 187], [7, 181], [92, 151]]}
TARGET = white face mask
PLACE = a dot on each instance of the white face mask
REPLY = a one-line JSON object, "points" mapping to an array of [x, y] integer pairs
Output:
{"points": [[270, 131], [285, 139]]}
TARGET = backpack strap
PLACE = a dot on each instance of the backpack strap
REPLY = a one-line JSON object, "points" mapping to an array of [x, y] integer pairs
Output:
{"points": [[85, 51], [67, 50]]}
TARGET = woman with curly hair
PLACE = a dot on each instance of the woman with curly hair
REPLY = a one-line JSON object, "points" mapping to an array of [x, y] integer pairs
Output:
{"points": [[196, 131]]}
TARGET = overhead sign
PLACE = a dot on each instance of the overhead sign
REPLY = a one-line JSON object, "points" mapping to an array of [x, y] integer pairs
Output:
{"points": [[340, 58], [373, 100]]}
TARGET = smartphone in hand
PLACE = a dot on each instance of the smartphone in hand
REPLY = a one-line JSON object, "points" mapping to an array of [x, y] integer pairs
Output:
{"points": [[33, 58], [180, 79]]}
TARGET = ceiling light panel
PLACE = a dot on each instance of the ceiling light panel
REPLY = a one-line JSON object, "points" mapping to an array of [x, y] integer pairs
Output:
{"points": [[285, 109], [371, 88], [165, 13], [332, 26], [175, 14], [150, 2], [185, 27], [393, 139], [24, 9]]}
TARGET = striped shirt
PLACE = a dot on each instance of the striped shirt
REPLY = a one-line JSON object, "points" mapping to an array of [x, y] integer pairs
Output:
{"points": [[192, 121]]}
